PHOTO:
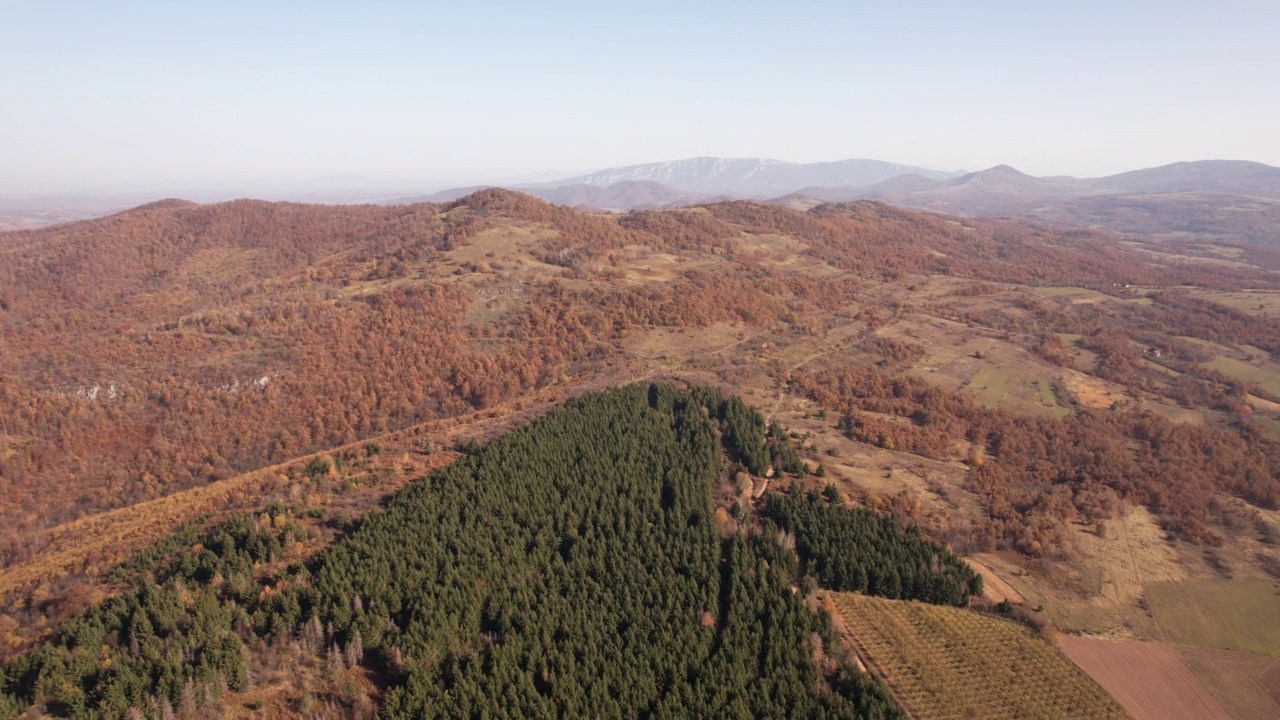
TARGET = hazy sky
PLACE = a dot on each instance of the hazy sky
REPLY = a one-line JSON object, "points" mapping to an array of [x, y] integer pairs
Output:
{"points": [[252, 96]]}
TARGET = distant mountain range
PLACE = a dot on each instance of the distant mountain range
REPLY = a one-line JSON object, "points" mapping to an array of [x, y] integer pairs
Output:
{"points": [[751, 177], [1211, 199], [619, 196], [699, 180], [1004, 189]]}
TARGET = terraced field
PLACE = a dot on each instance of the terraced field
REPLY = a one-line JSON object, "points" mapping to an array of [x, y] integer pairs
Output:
{"points": [[944, 662]]}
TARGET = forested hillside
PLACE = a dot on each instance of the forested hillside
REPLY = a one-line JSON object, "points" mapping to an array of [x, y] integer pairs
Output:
{"points": [[851, 549], [573, 568], [1084, 412], [176, 344]]}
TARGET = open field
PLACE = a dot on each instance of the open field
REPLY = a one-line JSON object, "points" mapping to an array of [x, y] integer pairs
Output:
{"points": [[1085, 296], [1269, 423], [1264, 377], [713, 340], [996, 370], [1111, 573], [1259, 302], [991, 385], [1206, 344], [1234, 615], [1099, 591], [1160, 368], [1149, 679], [1226, 251], [1264, 405], [944, 662], [1247, 685], [1050, 399], [1074, 295], [1092, 392]]}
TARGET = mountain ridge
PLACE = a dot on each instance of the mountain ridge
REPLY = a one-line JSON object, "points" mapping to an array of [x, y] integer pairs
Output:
{"points": [[1229, 200], [752, 177], [620, 196]]}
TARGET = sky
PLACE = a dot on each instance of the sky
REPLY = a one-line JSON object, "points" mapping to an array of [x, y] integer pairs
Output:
{"points": [[267, 97]]}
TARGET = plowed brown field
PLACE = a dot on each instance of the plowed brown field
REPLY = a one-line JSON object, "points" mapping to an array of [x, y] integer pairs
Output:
{"points": [[1149, 679], [1247, 685]]}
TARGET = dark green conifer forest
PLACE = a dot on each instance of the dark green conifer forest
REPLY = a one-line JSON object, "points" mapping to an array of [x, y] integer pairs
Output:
{"points": [[852, 549], [572, 568]]}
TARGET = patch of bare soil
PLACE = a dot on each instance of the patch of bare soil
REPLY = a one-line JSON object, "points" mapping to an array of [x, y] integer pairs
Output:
{"points": [[1247, 685], [1149, 679]]}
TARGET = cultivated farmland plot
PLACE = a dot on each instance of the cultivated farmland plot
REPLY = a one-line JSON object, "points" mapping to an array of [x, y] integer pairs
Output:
{"points": [[944, 662], [1149, 679], [1234, 615], [1247, 685]]}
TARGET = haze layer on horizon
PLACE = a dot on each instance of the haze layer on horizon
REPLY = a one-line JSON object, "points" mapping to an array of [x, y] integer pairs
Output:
{"points": [[266, 97]]}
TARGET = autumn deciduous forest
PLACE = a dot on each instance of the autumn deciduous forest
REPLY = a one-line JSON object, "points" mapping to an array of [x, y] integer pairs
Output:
{"points": [[175, 345]]}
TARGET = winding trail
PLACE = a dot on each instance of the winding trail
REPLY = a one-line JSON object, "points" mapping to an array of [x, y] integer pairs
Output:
{"points": [[782, 394]]}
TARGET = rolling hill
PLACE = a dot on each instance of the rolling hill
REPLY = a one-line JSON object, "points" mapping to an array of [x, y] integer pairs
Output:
{"points": [[572, 568], [1065, 404], [1236, 177], [177, 344]]}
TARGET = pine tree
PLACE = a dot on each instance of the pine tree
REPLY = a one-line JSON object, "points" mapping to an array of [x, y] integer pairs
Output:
{"points": [[355, 649], [311, 636], [187, 700], [333, 663]]}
